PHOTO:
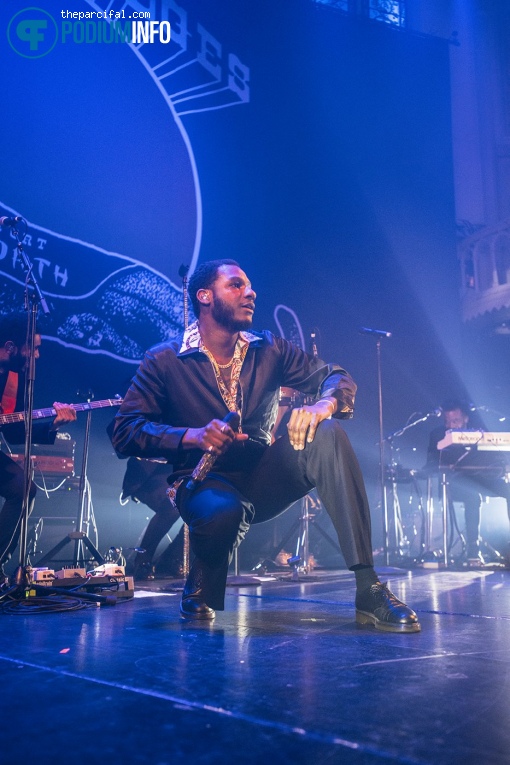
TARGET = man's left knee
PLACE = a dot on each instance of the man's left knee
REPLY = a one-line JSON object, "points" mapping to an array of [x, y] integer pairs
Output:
{"points": [[330, 431]]}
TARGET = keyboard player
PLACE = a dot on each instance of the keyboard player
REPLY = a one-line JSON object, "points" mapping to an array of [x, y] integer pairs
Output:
{"points": [[472, 477]]}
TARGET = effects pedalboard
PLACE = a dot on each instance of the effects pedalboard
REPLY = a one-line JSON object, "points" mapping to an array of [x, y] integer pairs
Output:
{"points": [[108, 577]]}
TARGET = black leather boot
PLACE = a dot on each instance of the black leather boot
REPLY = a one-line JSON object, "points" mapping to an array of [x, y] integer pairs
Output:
{"points": [[378, 606], [193, 605]]}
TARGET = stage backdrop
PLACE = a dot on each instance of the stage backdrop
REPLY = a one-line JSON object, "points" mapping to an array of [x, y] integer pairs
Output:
{"points": [[312, 147]]}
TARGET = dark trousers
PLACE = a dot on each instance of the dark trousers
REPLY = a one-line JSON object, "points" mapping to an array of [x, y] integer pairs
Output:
{"points": [[220, 511], [153, 494], [470, 492], [145, 481], [11, 488]]}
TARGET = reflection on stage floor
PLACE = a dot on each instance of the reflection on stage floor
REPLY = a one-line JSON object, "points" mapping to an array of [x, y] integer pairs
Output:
{"points": [[283, 675]]}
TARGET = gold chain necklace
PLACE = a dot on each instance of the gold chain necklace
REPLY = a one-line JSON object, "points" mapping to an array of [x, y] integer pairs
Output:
{"points": [[229, 392], [225, 366]]}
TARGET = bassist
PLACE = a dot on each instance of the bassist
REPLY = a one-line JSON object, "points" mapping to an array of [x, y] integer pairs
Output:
{"points": [[13, 358]]}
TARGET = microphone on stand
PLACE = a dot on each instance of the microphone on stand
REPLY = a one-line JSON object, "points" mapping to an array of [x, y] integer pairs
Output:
{"points": [[207, 460], [377, 332], [488, 410], [5, 221]]}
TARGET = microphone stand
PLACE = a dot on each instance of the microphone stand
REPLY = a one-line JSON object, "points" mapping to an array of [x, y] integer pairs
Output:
{"points": [[384, 496], [378, 334], [300, 561], [488, 410], [33, 298], [183, 273], [21, 579], [410, 425]]}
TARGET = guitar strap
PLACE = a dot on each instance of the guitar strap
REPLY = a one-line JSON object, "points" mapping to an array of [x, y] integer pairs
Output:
{"points": [[8, 403]]}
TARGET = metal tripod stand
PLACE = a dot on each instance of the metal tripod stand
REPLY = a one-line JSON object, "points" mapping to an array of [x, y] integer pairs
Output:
{"points": [[408, 543], [300, 562], [80, 537], [392, 474]]}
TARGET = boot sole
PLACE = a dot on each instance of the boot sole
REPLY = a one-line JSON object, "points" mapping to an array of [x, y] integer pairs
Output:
{"points": [[197, 617], [364, 618]]}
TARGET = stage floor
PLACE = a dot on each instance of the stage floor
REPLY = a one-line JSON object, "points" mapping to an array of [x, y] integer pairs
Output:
{"points": [[282, 676]]}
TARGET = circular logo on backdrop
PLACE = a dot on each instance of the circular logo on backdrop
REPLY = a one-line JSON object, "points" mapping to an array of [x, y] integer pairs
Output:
{"points": [[32, 33], [126, 210]]}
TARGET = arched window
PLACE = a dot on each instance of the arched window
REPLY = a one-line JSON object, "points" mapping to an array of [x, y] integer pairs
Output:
{"points": [[502, 258], [483, 266], [388, 11]]}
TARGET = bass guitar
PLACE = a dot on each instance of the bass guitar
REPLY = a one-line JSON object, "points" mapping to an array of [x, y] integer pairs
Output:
{"points": [[38, 414]]}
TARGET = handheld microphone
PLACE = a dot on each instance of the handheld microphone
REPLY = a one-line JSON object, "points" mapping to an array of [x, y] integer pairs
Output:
{"points": [[378, 332], [5, 221], [207, 460]]}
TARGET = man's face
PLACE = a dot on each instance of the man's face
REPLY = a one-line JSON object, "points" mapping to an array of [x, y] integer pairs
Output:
{"points": [[232, 299], [37, 345], [18, 360], [455, 419]]}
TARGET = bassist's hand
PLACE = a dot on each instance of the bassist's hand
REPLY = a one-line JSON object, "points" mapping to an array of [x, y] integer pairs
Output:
{"points": [[65, 414]]}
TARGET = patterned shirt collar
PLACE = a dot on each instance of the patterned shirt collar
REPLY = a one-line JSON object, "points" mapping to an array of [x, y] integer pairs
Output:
{"points": [[191, 339]]}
